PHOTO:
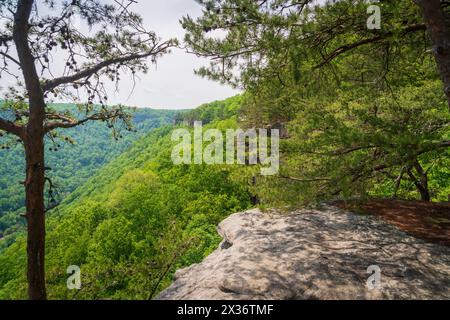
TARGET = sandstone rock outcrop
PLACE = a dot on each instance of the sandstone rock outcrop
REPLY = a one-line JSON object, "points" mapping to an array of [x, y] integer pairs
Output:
{"points": [[314, 254]]}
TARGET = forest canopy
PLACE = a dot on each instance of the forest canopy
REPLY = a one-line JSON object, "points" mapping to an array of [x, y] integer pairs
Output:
{"points": [[80, 154]]}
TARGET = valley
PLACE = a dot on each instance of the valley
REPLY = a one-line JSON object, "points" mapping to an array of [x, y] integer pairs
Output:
{"points": [[311, 159]]}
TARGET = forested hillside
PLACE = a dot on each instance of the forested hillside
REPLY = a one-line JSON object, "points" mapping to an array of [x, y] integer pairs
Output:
{"points": [[69, 164], [135, 222], [362, 113], [140, 218]]}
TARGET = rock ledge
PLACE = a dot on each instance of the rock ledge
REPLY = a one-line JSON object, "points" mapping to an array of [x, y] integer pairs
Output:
{"points": [[314, 254]]}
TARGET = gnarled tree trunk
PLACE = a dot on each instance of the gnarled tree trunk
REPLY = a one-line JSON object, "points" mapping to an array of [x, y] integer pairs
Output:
{"points": [[421, 182], [438, 28]]}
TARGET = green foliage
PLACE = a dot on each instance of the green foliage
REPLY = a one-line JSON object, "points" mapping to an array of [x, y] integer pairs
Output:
{"points": [[361, 110], [133, 224], [361, 113], [357, 145], [213, 111], [72, 164]]}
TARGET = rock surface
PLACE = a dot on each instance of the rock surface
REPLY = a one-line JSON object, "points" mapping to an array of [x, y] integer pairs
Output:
{"points": [[314, 254]]}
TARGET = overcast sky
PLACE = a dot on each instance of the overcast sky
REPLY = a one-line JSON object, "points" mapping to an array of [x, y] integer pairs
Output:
{"points": [[171, 84]]}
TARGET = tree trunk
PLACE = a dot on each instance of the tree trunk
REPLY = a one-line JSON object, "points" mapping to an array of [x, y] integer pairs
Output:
{"points": [[34, 154], [424, 194], [421, 183], [34, 186], [439, 30]]}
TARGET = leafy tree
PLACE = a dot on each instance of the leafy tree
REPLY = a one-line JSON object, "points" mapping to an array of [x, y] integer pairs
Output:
{"points": [[349, 145], [114, 42], [256, 32], [359, 107]]}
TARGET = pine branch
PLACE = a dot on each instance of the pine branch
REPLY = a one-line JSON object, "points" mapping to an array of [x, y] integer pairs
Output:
{"points": [[348, 47], [49, 85], [70, 123], [11, 127]]}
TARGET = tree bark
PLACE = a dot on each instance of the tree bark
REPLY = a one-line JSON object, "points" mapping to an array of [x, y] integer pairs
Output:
{"points": [[439, 30], [34, 153], [34, 186], [421, 183], [424, 193]]}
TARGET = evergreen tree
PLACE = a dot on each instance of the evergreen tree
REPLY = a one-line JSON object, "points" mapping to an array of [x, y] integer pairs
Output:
{"points": [[115, 42]]}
